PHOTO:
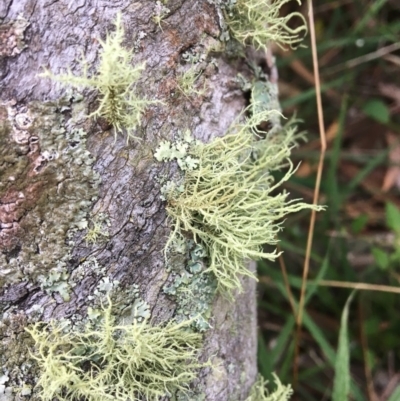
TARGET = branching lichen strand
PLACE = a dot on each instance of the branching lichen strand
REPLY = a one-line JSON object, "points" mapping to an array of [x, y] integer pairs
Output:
{"points": [[258, 23], [115, 361], [187, 83], [228, 202], [115, 82], [259, 391]]}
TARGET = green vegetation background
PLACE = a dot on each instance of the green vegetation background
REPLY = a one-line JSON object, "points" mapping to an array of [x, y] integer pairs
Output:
{"points": [[357, 240]]}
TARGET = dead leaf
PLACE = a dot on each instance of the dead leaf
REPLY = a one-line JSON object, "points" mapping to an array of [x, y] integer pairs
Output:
{"points": [[392, 176]]}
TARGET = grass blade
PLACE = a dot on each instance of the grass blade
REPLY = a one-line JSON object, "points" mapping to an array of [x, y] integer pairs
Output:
{"points": [[282, 340], [320, 339], [341, 383], [265, 364], [395, 395]]}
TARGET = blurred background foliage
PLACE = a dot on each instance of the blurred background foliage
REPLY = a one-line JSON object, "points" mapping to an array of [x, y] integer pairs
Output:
{"points": [[357, 240]]}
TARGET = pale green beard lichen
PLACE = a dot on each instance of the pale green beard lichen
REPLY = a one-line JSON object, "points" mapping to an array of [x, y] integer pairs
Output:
{"points": [[115, 361], [160, 12], [115, 82], [187, 82], [258, 22], [259, 391], [228, 202], [98, 229]]}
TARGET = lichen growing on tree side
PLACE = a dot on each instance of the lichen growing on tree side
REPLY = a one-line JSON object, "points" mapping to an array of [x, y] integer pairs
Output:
{"points": [[98, 229], [12, 37], [16, 366], [259, 391], [225, 201], [192, 288], [187, 82], [115, 361], [258, 23], [115, 81], [229, 203], [47, 186]]}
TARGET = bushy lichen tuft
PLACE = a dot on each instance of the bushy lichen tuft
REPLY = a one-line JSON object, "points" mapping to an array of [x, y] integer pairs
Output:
{"points": [[98, 229], [188, 81], [160, 12], [229, 202], [259, 391], [115, 82], [114, 361], [258, 22]]}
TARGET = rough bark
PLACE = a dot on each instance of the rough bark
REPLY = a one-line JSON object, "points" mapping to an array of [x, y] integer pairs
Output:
{"points": [[49, 183]]}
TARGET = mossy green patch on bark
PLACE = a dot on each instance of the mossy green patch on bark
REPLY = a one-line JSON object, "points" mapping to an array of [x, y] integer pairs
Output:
{"points": [[47, 187], [18, 370], [192, 288]]}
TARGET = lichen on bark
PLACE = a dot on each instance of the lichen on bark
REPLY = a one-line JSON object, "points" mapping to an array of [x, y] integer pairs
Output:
{"points": [[112, 361], [48, 186], [12, 37], [133, 252]]}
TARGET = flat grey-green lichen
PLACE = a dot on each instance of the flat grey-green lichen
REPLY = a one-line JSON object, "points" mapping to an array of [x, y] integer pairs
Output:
{"points": [[128, 306], [47, 187], [178, 151], [59, 280], [192, 288]]}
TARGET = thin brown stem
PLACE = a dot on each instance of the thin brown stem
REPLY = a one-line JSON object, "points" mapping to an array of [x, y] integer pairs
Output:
{"points": [[316, 191]]}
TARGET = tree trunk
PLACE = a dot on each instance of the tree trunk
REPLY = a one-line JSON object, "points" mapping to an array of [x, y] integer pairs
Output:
{"points": [[64, 175]]}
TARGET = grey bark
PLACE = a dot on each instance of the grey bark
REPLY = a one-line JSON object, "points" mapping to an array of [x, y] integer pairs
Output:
{"points": [[38, 193]]}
